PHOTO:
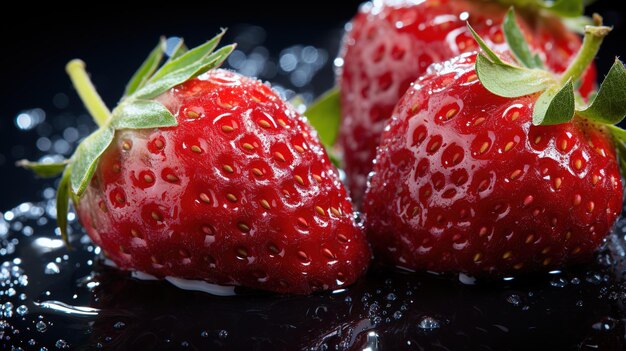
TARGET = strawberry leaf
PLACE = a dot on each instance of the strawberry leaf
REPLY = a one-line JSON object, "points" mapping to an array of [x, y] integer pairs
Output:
{"points": [[517, 42], [62, 203], [139, 114], [564, 8], [577, 24], [555, 106], [619, 138], [86, 157], [505, 80], [609, 105], [147, 68], [155, 88], [192, 56], [46, 170], [487, 50], [324, 115]]}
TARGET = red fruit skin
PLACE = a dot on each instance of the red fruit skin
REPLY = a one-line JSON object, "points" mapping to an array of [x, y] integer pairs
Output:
{"points": [[239, 193], [464, 182], [388, 46]]}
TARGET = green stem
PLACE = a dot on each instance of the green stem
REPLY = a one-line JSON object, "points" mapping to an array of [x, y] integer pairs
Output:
{"points": [[594, 35], [87, 92]]}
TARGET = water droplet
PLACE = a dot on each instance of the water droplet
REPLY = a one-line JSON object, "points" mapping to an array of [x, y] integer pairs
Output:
{"points": [[22, 310], [204, 334], [467, 279], [397, 315], [61, 344], [593, 278], [579, 303], [558, 283], [119, 325], [514, 299], [391, 297], [41, 326], [223, 334], [428, 324], [52, 268], [606, 324]]}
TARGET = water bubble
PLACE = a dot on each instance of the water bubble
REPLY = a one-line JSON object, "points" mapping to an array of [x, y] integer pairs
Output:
{"points": [[204, 334], [397, 315], [8, 216], [8, 309], [348, 299], [467, 279], [52, 268], [49, 193], [29, 119], [222, 334], [338, 62], [71, 134], [606, 324], [593, 278], [44, 144], [558, 283], [288, 62], [428, 324], [514, 299], [22, 310], [27, 231], [365, 297], [579, 303], [61, 344], [119, 325], [11, 292], [391, 297], [41, 326]]}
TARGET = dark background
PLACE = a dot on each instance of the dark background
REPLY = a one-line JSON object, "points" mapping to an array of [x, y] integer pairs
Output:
{"points": [[37, 43]]}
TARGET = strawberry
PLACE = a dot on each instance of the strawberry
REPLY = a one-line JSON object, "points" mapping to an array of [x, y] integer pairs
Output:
{"points": [[201, 173], [389, 44], [488, 167]]}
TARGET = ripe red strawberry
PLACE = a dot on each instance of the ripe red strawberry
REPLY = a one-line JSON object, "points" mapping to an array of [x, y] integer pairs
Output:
{"points": [[233, 188], [392, 43], [466, 180]]}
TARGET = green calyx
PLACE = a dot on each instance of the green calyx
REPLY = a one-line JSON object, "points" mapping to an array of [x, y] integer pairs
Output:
{"points": [[136, 110], [558, 101]]}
